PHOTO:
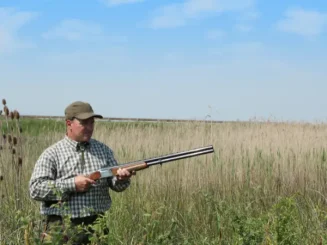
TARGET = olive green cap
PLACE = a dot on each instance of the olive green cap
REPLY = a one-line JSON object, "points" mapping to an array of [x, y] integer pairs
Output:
{"points": [[80, 110]]}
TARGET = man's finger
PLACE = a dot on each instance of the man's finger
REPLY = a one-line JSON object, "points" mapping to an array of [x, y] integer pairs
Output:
{"points": [[123, 171], [91, 181]]}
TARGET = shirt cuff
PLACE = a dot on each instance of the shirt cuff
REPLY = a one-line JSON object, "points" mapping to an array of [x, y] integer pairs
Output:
{"points": [[67, 185], [120, 185]]}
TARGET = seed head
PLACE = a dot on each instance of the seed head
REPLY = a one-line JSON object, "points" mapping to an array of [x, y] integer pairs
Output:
{"points": [[15, 140], [16, 114], [20, 161], [1, 178], [9, 139], [20, 130], [6, 110], [13, 151], [4, 102], [11, 115], [4, 137]]}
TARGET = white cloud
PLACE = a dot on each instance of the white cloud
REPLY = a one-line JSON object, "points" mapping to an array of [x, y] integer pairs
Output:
{"points": [[168, 17], [235, 51], [5, 40], [119, 2], [215, 34], [246, 21], [251, 15], [74, 30], [243, 27], [11, 22], [303, 22], [194, 7], [176, 15]]}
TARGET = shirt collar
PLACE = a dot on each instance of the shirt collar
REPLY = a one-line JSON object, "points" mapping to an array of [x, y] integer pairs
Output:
{"points": [[74, 144]]}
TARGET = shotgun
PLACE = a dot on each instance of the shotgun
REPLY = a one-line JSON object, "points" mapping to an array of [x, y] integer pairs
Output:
{"points": [[132, 167]]}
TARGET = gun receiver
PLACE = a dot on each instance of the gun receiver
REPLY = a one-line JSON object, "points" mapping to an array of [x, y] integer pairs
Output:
{"points": [[143, 164]]}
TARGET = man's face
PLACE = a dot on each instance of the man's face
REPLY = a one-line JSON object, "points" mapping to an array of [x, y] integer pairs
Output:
{"points": [[80, 130]]}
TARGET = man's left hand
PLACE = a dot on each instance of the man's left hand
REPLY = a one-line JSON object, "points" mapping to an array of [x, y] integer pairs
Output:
{"points": [[124, 174]]}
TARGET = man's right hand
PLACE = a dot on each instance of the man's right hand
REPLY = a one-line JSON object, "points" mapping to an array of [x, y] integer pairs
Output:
{"points": [[83, 183]]}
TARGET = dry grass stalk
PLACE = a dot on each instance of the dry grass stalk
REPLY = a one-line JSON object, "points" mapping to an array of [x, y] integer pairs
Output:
{"points": [[11, 154], [6, 110]]}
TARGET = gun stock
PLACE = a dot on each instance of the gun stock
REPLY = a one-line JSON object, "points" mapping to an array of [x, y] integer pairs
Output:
{"points": [[143, 164]]}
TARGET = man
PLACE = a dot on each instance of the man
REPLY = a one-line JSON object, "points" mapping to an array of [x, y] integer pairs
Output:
{"points": [[60, 177]]}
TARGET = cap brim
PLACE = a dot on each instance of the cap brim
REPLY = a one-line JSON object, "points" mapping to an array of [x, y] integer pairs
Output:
{"points": [[87, 115]]}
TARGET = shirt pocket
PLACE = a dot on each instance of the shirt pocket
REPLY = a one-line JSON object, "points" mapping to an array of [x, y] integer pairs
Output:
{"points": [[68, 166], [94, 162]]}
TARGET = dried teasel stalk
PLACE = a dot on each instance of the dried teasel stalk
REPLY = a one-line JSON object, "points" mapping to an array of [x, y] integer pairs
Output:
{"points": [[6, 110], [15, 141], [16, 114], [9, 139]]}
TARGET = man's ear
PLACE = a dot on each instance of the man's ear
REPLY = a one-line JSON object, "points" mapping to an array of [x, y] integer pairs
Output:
{"points": [[68, 122]]}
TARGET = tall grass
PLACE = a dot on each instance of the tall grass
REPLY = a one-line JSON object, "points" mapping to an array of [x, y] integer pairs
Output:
{"points": [[265, 184]]}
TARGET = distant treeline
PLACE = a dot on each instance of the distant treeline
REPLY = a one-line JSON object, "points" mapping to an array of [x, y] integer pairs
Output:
{"points": [[133, 119]]}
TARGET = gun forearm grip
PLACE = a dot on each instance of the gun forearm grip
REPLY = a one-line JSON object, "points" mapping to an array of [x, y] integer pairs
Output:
{"points": [[132, 168]]}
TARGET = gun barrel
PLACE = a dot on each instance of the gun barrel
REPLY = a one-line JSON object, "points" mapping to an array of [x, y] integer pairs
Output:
{"points": [[174, 156], [178, 154], [181, 156]]}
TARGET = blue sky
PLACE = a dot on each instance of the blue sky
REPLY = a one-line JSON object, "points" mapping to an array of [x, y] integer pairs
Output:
{"points": [[230, 59]]}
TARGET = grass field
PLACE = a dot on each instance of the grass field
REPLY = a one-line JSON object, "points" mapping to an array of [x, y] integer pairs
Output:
{"points": [[265, 183]]}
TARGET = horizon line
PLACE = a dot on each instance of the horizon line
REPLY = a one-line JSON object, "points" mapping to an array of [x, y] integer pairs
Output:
{"points": [[143, 119]]}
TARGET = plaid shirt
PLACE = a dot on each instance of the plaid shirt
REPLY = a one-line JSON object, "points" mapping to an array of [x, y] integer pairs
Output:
{"points": [[54, 173]]}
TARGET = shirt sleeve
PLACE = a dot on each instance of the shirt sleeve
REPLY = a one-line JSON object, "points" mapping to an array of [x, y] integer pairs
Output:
{"points": [[114, 183], [44, 186], [119, 185]]}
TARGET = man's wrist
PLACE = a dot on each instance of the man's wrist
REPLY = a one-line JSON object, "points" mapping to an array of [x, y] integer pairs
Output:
{"points": [[67, 185]]}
